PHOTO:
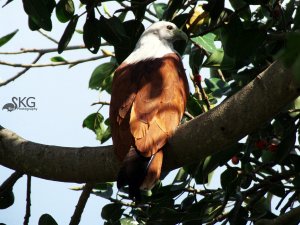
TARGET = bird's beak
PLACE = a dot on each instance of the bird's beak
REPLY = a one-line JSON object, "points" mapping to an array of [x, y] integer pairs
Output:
{"points": [[180, 35]]}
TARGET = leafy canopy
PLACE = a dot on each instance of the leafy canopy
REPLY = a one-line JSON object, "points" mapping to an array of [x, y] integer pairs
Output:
{"points": [[235, 44]]}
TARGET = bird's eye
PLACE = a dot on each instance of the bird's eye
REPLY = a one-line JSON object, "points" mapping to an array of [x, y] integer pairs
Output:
{"points": [[169, 27]]}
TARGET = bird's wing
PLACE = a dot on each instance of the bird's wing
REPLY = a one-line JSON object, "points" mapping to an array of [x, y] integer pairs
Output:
{"points": [[124, 89], [148, 101], [159, 104]]}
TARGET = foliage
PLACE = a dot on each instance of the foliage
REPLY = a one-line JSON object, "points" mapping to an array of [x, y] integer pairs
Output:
{"points": [[236, 45]]}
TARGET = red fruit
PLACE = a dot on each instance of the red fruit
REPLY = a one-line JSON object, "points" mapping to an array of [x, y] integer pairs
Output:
{"points": [[273, 147], [197, 79], [261, 144], [235, 160]]}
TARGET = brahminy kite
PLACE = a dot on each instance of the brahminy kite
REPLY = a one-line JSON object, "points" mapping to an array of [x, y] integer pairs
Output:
{"points": [[149, 93]]}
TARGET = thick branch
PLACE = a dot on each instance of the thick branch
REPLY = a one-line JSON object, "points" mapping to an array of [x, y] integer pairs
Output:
{"points": [[213, 131]]}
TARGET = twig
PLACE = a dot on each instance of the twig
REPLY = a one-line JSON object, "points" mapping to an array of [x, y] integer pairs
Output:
{"points": [[10, 182], [21, 72], [100, 103], [219, 219], [53, 64], [150, 12], [45, 50], [186, 113], [205, 192], [127, 204], [48, 37], [75, 219], [204, 96], [220, 73], [28, 201], [282, 199], [149, 19], [289, 203]]}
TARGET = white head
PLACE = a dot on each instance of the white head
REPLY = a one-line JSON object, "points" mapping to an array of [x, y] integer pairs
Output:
{"points": [[156, 41]]}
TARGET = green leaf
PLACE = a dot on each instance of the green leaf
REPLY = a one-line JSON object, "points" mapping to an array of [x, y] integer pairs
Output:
{"points": [[297, 19], [205, 210], [112, 212], [217, 86], [292, 50], [100, 74], [241, 44], [181, 176], [91, 37], [277, 189], [193, 106], [7, 199], [219, 60], [95, 122], [47, 219], [173, 7], [112, 30], [160, 9], [187, 202], [107, 84], [238, 216], [7, 2], [68, 33], [238, 4], [107, 133], [196, 57], [58, 59], [32, 25], [229, 180], [296, 69], [103, 186], [206, 42], [134, 29], [40, 12], [128, 221], [164, 215], [65, 10], [104, 190], [215, 59], [296, 182], [6, 38]]}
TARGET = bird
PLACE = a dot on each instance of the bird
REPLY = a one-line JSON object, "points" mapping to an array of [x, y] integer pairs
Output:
{"points": [[148, 100]]}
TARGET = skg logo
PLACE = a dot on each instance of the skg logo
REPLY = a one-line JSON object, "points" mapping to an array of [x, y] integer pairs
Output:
{"points": [[21, 103]]}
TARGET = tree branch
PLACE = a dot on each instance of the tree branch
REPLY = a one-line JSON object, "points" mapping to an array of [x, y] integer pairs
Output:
{"points": [[75, 219], [42, 50], [33, 65], [28, 201], [213, 131], [22, 71], [10, 182], [291, 217]]}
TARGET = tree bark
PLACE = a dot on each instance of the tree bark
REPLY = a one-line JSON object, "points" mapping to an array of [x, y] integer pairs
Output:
{"points": [[213, 131]]}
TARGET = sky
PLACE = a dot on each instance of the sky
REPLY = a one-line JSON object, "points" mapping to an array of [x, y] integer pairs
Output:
{"points": [[62, 100]]}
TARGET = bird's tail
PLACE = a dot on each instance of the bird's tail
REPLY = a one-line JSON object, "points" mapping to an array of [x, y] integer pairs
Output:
{"points": [[139, 172]]}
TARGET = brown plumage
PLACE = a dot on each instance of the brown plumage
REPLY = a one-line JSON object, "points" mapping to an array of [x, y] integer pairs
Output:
{"points": [[147, 104]]}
